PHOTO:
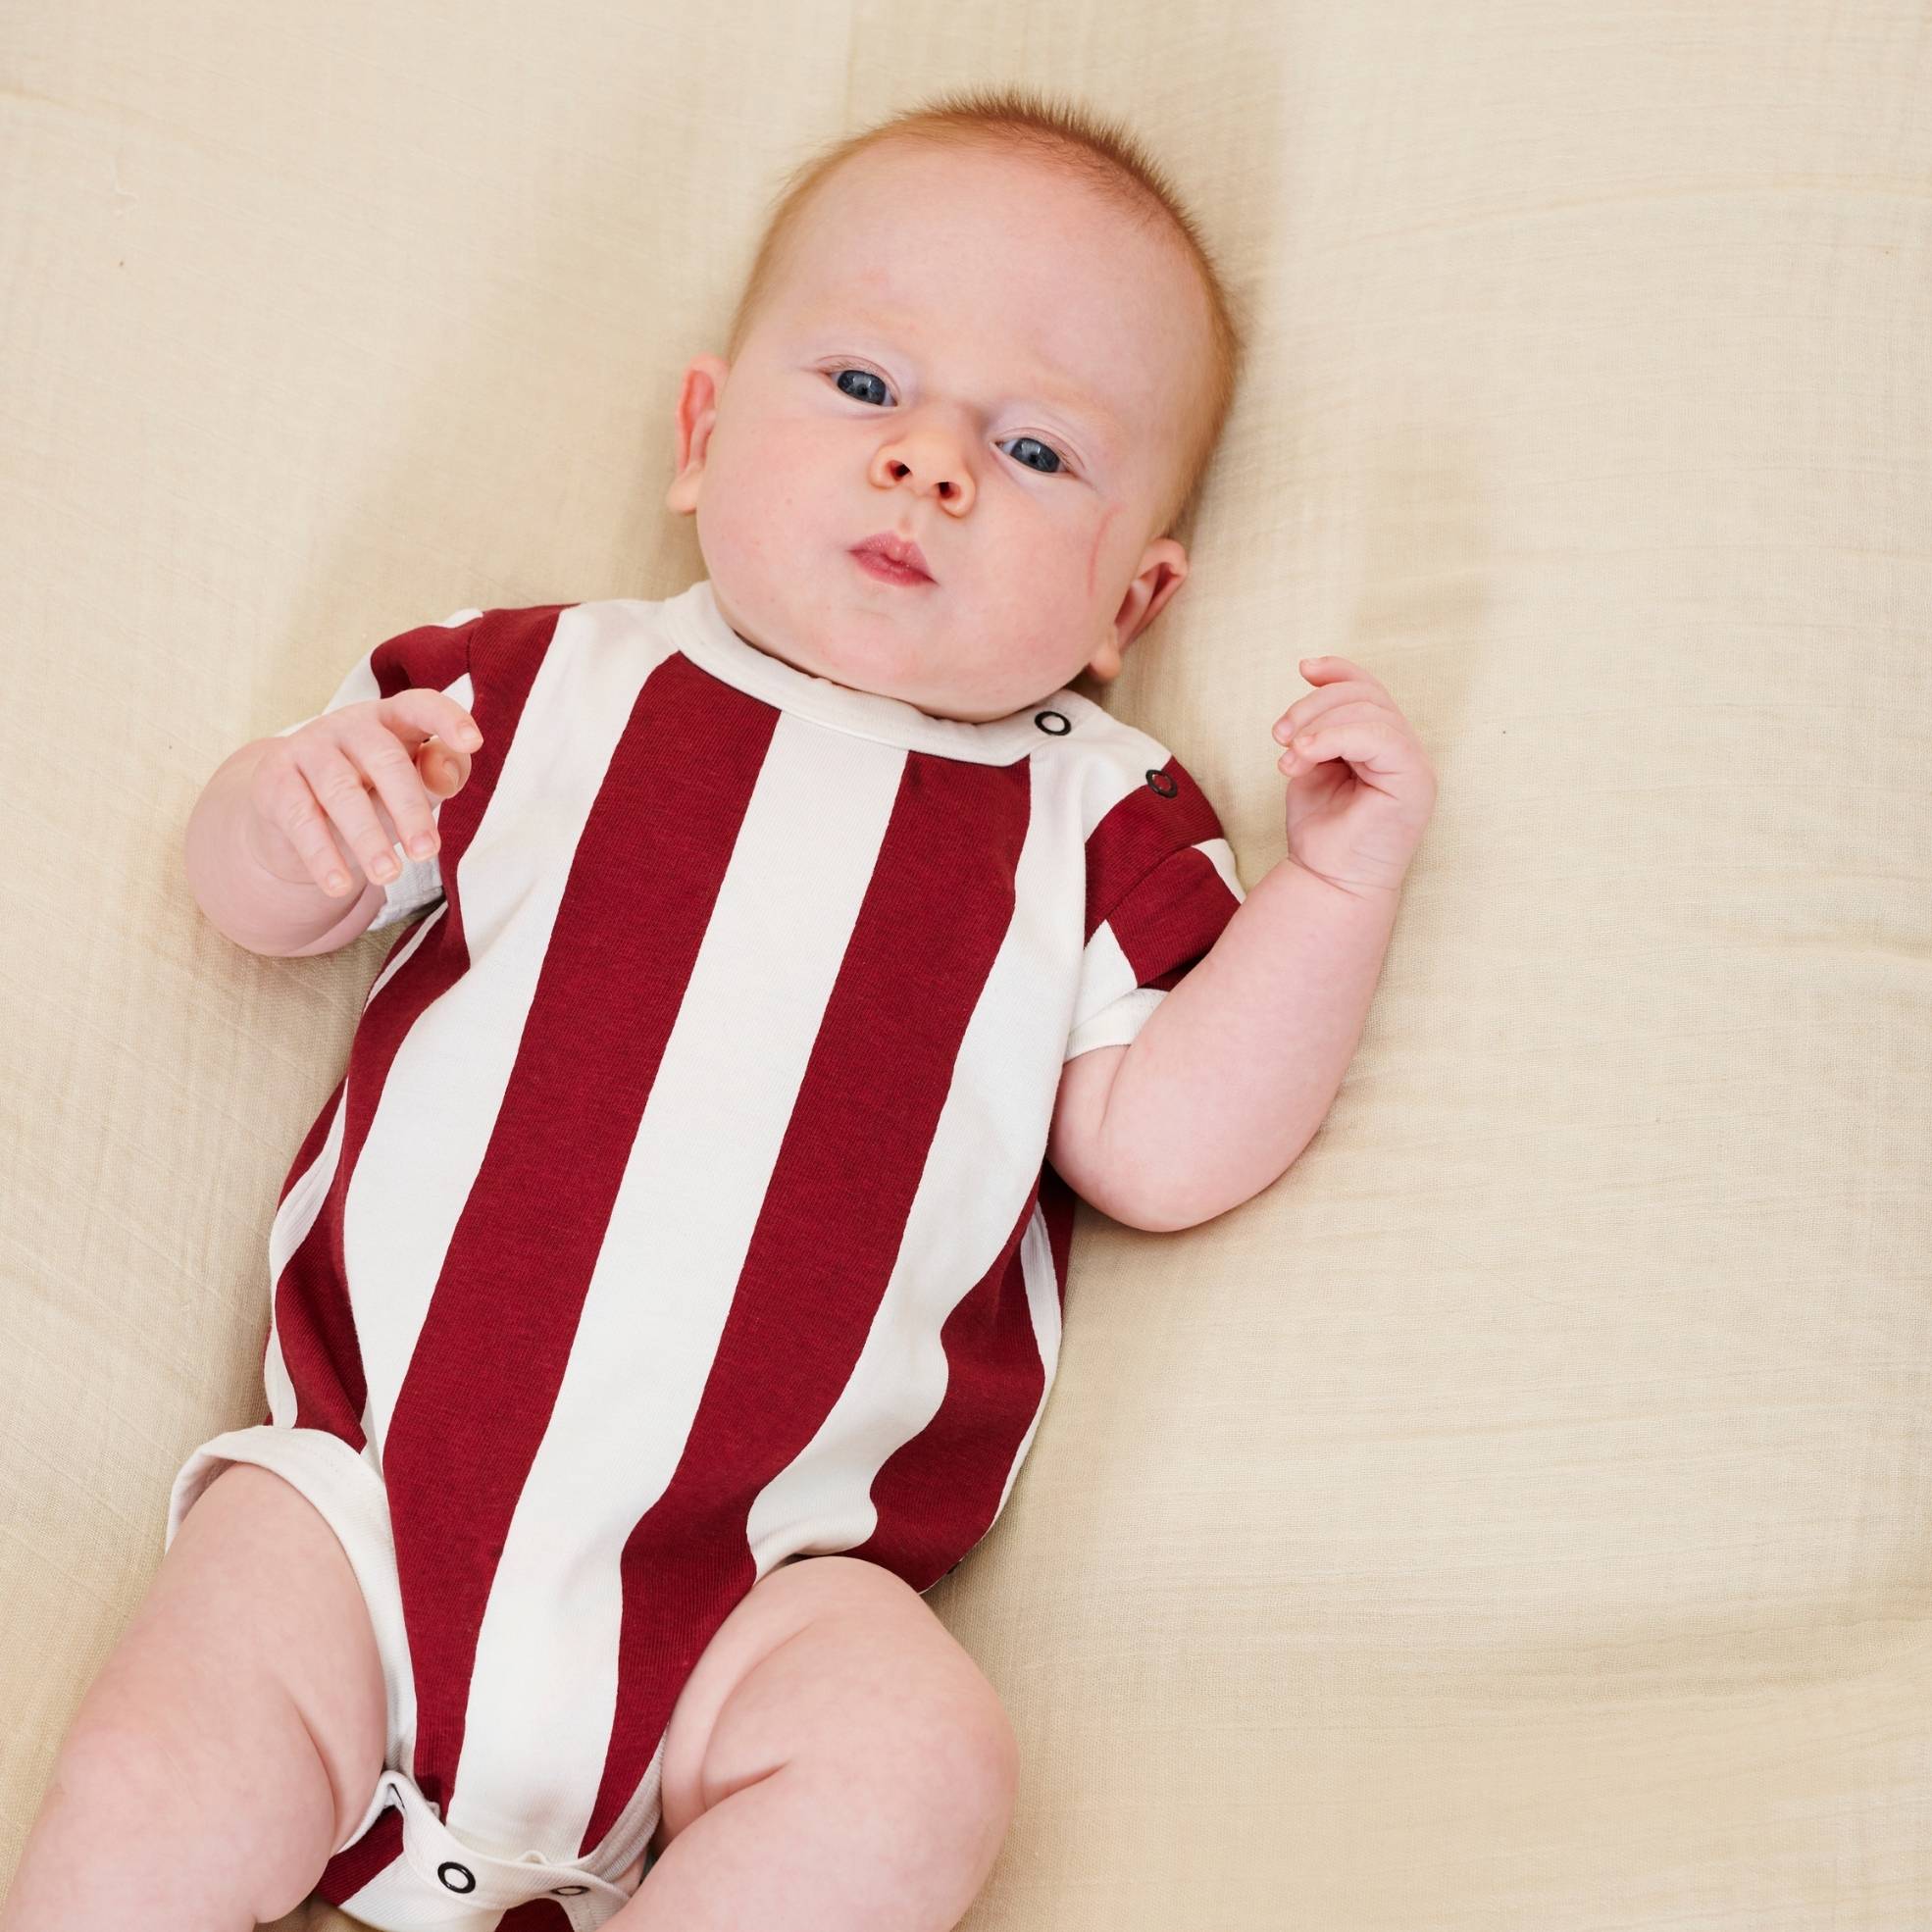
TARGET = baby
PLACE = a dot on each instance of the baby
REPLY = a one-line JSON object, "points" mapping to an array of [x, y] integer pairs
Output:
{"points": [[668, 1294]]}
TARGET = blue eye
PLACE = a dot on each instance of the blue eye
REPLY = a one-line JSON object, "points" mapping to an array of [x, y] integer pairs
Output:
{"points": [[1038, 444], [873, 376], [868, 374]]}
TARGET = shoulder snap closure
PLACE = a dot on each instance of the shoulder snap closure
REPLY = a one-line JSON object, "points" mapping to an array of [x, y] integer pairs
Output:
{"points": [[1164, 781], [1060, 729]]}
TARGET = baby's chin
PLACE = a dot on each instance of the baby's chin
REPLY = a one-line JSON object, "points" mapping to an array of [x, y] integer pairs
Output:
{"points": [[865, 650], [872, 643]]}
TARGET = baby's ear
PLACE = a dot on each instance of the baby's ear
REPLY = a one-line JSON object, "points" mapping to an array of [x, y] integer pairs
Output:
{"points": [[698, 392], [1163, 569], [1104, 665]]}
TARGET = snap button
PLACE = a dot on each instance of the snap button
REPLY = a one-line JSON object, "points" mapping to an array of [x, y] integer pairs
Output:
{"points": [[567, 1890], [463, 1872], [1164, 783], [1060, 729]]}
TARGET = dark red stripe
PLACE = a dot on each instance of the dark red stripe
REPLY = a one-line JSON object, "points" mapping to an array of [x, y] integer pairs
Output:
{"points": [[1141, 830], [497, 1336], [314, 1321], [938, 1491], [507, 648], [350, 1869], [1171, 920], [935, 913]]}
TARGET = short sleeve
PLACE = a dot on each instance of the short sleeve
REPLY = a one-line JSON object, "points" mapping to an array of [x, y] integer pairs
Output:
{"points": [[1160, 886], [431, 658]]}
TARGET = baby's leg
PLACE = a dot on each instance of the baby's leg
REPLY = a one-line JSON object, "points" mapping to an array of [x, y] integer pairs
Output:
{"points": [[229, 1743], [835, 1762]]}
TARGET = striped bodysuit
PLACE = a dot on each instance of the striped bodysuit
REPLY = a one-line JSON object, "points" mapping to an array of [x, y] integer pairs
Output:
{"points": [[682, 1209]]}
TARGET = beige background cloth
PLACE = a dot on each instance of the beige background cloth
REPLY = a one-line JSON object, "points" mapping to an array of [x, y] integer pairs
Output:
{"points": [[1519, 1516]]}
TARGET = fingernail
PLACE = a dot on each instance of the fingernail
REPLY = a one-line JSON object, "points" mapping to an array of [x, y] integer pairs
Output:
{"points": [[420, 844]]}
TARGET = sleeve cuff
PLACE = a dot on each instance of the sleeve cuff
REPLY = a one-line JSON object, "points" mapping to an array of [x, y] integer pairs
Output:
{"points": [[1115, 1025]]}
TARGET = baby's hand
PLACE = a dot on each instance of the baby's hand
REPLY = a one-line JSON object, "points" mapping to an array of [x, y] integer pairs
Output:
{"points": [[321, 775], [1360, 790]]}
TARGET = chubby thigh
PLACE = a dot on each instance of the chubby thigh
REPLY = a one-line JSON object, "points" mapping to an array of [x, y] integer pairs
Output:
{"points": [[237, 1734], [246, 1695], [835, 1658]]}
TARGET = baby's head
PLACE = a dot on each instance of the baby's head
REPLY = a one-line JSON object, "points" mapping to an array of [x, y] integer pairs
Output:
{"points": [[987, 328]]}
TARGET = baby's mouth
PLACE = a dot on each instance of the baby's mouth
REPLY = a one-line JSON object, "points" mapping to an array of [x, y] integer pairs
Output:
{"points": [[877, 565], [887, 546]]}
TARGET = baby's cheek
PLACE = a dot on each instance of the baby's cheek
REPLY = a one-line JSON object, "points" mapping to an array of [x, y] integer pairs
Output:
{"points": [[773, 502], [1093, 551], [746, 514]]}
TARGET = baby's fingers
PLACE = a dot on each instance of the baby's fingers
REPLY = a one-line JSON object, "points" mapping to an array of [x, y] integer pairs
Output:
{"points": [[341, 776], [419, 714], [444, 771], [305, 797]]}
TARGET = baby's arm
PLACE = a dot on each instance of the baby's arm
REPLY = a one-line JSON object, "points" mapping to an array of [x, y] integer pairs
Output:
{"points": [[1228, 1080]]}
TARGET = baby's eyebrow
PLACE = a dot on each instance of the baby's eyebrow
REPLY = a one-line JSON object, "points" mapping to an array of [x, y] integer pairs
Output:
{"points": [[1098, 418], [1087, 409]]}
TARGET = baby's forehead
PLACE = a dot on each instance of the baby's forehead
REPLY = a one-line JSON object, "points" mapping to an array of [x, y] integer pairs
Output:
{"points": [[1143, 382]]}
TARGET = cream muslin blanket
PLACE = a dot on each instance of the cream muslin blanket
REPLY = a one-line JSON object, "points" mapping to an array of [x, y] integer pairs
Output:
{"points": [[1518, 1519]]}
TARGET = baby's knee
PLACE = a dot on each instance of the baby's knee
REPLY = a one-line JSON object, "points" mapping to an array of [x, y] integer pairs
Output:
{"points": [[932, 1795], [975, 1757], [938, 1755], [157, 1813]]}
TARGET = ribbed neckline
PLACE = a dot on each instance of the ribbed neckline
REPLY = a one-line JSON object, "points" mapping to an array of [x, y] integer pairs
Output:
{"points": [[711, 642]]}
